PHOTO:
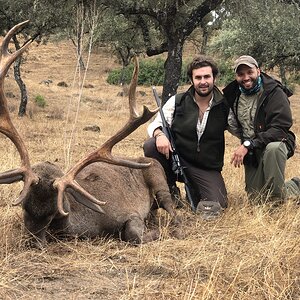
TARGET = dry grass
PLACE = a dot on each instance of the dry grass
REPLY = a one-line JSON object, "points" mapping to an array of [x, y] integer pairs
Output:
{"points": [[252, 252]]}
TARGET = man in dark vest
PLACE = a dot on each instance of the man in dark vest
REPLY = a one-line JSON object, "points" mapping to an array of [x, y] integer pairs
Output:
{"points": [[198, 119], [260, 116]]}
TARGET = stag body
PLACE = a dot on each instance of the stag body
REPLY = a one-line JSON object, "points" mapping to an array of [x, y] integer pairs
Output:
{"points": [[100, 195], [130, 194]]}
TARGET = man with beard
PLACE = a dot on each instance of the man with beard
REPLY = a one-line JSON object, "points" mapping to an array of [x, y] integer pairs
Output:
{"points": [[198, 119], [260, 116]]}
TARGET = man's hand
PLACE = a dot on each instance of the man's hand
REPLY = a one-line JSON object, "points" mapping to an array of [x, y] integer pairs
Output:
{"points": [[238, 156], [163, 145]]}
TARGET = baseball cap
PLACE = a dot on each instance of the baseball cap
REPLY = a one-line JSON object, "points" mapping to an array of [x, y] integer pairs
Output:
{"points": [[245, 60]]}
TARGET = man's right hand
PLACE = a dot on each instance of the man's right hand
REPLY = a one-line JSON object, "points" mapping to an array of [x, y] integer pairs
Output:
{"points": [[163, 145], [238, 156]]}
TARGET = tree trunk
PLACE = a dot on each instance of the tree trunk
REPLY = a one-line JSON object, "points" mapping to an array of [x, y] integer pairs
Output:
{"points": [[204, 39], [77, 46], [79, 52], [282, 74], [173, 66], [81, 10], [22, 87], [20, 82]]}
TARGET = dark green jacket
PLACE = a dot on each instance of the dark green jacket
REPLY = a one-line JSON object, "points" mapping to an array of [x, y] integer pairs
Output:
{"points": [[208, 153], [273, 117]]}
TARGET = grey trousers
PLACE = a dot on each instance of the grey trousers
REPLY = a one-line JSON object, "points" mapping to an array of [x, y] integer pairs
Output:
{"points": [[208, 185], [268, 177]]}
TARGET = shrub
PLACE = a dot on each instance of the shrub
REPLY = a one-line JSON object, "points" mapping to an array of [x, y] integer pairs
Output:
{"points": [[151, 73], [226, 73], [40, 101]]}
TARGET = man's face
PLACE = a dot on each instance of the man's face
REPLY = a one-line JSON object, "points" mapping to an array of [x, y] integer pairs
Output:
{"points": [[203, 81], [247, 77]]}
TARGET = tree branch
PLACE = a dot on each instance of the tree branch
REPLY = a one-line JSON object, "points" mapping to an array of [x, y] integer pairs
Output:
{"points": [[150, 51], [198, 14]]}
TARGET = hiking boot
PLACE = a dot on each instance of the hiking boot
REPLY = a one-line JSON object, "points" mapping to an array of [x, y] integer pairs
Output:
{"points": [[209, 210], [176, 196], [297, 181]]}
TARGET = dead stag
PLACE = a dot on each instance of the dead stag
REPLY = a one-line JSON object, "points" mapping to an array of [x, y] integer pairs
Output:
{"points": [[124, 191]]}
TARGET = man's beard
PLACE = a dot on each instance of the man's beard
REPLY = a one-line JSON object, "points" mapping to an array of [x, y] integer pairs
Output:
{"points": [[204, 94], [254, 83]]}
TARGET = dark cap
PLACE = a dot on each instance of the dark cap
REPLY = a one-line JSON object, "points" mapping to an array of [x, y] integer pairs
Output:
{"points": [[245, 60]]}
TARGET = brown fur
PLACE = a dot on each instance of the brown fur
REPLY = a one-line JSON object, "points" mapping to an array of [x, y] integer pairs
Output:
{"points": [[130, 195]]}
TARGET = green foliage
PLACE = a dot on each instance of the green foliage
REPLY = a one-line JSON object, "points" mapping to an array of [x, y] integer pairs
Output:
{"points": [[268, 30], [295, 77], [40, 101], [46, 17], [151, 73], [120, 34], [226, 74]]}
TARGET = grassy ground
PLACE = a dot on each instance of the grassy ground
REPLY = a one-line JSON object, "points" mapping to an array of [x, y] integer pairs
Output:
{"points": [[251, 252]]}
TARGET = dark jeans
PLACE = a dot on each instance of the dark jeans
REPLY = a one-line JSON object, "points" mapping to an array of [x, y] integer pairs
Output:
{"points": [[208, 184]]}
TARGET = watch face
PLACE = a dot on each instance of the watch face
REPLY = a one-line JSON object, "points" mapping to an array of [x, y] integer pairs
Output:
{"points": [[247, 144]]}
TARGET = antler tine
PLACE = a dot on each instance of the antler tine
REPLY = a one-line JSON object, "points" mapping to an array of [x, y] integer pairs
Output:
{"points": [[8, 58], [132, 90], [104, 152], [25, 172]]}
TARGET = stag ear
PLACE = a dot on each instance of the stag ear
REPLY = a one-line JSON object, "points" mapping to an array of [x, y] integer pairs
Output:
{"points": [[11, 176], [84, 201]]}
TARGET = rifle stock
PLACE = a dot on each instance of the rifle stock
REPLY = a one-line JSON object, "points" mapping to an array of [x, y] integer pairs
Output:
{"points": [[177, 168]]}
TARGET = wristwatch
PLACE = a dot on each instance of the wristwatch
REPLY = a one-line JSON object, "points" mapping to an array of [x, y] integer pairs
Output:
{"points": [[248, 144]]}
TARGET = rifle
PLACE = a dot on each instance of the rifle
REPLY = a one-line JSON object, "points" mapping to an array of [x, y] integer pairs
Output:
{"points": [[177, 168]]}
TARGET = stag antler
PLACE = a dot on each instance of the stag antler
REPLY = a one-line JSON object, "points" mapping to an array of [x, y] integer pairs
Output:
{"points": [[25, 172], [104, 152]]}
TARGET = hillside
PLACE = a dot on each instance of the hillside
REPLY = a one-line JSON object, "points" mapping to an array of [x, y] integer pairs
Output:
{"points": [[251, 252]]}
